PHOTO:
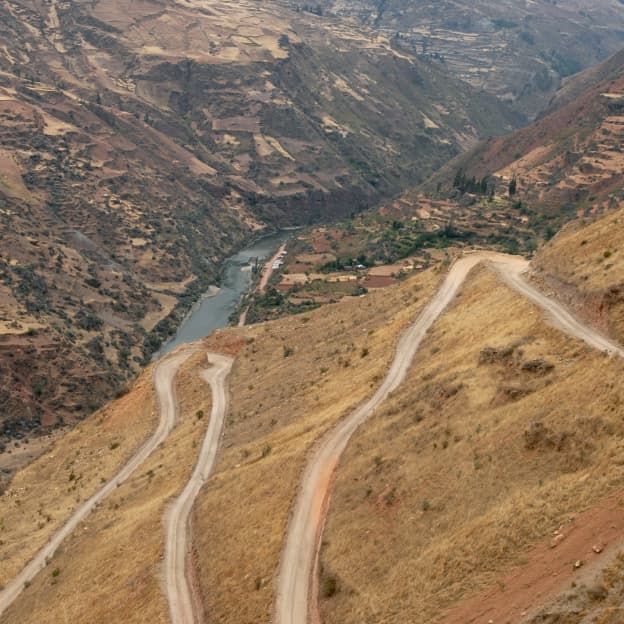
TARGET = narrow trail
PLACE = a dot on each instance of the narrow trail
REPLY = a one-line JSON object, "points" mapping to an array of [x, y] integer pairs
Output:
{"points": [[164, 375], [297, 592], [177, 545]]}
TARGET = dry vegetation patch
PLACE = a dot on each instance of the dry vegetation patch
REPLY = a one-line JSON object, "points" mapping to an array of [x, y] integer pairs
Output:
{"points": [[504, 430], [293, 380], [42, 496], [585, 264], [117, 551]]}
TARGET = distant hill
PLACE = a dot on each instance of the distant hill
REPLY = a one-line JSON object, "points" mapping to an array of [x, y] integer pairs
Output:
{"points": [[569, 163], [519, 51]]}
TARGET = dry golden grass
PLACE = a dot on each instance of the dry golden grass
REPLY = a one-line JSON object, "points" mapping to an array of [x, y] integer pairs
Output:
{"points": [[281, 403], [585, 262], [109, 570], [589, 256], [42, 496], [437, 494]]}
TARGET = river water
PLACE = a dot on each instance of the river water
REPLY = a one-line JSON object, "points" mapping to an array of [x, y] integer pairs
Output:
{"points": [[213, 312]]}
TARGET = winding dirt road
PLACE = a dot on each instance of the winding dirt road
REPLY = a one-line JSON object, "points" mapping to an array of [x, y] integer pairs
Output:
{"points": [[164, 375], [296, 601], [178, 587]]}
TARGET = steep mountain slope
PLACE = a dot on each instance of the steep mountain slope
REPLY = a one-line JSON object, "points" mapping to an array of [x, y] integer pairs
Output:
{"points": [[287, 386], [516, 50], [509, 194], [529, 422], [142, 141], [568, 163], [528, 418]]}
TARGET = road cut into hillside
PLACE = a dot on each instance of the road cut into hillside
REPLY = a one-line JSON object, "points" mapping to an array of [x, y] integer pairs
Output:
{"points": [[164, 375], [297, 583], [182, 606]]}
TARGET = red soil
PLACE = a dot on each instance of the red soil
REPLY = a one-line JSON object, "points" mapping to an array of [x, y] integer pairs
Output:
{"points": [[549, 569]]}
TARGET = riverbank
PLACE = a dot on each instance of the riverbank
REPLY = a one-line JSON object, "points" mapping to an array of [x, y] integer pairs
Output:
{"points": [[213, 310]]}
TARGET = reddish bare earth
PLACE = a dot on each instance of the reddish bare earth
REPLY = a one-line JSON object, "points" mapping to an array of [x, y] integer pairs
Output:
{"points": [[592, 538]]}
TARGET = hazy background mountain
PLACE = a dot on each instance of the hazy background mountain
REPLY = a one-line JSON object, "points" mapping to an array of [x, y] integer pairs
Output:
{"points": [[518, 50]]}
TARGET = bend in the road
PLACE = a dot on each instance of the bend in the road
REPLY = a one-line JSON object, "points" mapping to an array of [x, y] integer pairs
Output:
{"points": [[303, 533], [300, 554], [178, 587]]}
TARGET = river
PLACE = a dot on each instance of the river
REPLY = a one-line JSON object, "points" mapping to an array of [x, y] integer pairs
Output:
{"points": [[213, 311]]}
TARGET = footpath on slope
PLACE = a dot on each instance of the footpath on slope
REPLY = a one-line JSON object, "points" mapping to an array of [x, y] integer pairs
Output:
{"points": [[164, 375], [182, 607], [297, 591]]}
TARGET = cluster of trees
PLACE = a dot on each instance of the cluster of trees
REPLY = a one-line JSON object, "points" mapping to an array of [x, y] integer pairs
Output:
{"points": [[484, 186], [471, 185], [317, 9]]}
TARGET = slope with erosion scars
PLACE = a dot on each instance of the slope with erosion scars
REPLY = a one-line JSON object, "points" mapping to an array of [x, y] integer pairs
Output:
{"points": [[181, 603], [163, 382], [305, 528]]}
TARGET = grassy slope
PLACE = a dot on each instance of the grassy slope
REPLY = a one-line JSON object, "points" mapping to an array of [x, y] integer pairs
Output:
{"points": [[585, 264], [283, 406], [292, 380], [438, 494], [44, 490], [280, 406], [118, 550]]}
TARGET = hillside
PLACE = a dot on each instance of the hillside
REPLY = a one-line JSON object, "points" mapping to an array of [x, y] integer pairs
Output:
{"points": [[287, 386], [510, 193], [528, 464], [525, 464], [142, 142], [519, 51], [528, 417], [584, 266], [567, 164]]}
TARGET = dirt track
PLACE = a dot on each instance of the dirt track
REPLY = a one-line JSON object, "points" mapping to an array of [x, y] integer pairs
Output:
{"points": [[267, 271], [178, 588], [296, 601], [164, 375]]}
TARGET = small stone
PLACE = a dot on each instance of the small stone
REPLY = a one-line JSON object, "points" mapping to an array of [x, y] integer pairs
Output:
{"points": [[577, 564], [597, 548], [554, 542]]}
